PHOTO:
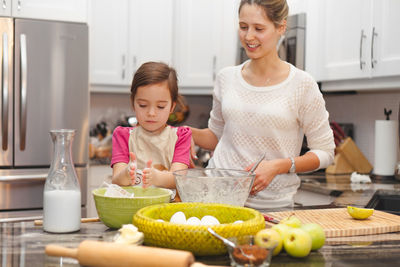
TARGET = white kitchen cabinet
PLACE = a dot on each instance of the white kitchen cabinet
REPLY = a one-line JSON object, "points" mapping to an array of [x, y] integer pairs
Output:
{"points": [[204, 40], [360, 39], [97, 175], [126, 34], [197, 37], [5, 8], [108, 42], [62, 10]]}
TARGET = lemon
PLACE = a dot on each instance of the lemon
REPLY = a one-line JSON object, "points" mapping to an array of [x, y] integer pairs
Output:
{"points": [[359, 213]]}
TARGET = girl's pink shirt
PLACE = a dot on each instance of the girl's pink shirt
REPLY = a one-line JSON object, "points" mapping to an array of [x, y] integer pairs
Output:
{"points": [[120, 147]]}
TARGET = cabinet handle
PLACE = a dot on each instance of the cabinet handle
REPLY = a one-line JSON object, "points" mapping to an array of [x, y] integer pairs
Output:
{"points": [[373, 60], [123, 67], [214, 67], [134, 63], [4, 4], [362, 63], [19, 4]]}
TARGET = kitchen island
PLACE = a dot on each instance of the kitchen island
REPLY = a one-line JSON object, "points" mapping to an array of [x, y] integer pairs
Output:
{"points": [[23, 243]]}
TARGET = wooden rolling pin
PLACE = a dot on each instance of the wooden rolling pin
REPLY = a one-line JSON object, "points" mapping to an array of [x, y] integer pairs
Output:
{"points": [[108, 254], [83, 220]]}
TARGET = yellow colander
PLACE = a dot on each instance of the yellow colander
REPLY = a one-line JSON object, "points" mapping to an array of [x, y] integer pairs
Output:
{"points": [[196, 238]]}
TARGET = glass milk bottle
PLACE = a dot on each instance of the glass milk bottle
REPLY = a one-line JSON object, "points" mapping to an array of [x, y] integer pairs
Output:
{"points": [[62, 194]]}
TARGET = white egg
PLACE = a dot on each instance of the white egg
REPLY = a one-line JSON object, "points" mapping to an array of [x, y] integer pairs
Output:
{"points": [[159, 220], [238, 221], [193, 221], [178, 217], [209, 220]]}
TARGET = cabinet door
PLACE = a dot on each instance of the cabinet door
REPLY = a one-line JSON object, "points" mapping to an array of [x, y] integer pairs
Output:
{"points": [[346, 39], [197, 41], [108, 42], [5, 8], [63, 10], [150, 32], [385, 42]]}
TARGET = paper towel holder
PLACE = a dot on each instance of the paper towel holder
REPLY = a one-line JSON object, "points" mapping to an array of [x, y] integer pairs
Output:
{"points": [[375, 176], [387, 113]]}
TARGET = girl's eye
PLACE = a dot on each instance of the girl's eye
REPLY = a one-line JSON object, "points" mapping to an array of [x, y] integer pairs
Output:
{"points": [[243, 27], [142, 105], [259, 29], [161, 107]]}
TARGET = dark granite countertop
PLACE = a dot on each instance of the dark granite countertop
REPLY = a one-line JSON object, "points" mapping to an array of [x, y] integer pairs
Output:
{"points": [[23, 243]]}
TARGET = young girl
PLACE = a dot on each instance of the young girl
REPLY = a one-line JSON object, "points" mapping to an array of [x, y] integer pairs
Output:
{"points": [[153, 146]]}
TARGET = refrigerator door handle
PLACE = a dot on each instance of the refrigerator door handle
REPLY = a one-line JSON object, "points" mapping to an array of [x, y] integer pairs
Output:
{"points": [[23, 80], [4, 89], [24, 178]]}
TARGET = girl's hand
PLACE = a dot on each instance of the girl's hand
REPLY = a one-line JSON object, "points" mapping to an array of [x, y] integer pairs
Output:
{"points": [[149, 175], [131, 168], [265, 173]]}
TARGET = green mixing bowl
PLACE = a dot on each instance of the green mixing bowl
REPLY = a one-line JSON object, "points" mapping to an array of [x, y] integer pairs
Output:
{"points": [[114, 212]]}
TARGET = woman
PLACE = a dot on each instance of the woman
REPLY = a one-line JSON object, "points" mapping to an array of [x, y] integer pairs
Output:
{"points": [[266, 105]]}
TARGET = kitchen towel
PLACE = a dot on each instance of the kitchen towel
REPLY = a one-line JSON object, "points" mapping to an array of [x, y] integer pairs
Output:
{"points": [[386, 145]]}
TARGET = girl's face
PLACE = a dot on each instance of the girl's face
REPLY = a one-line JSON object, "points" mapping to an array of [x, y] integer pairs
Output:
{"points": [[152, 106], [258, 34]]}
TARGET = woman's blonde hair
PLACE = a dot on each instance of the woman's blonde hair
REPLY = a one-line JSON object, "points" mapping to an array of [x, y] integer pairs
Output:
{"points": [[276, 10]]}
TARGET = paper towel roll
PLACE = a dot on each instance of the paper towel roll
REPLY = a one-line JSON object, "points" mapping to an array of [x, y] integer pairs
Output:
{"points": [[386, 145]]}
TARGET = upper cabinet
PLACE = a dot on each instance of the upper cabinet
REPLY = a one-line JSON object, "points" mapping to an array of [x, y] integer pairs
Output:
{"points": [[62, 10], [196, 37], [360, 39], [126, 34], [5, 8], [204, 40]]}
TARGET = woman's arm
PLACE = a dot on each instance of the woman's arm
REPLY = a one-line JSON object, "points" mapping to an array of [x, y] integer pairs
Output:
{"points": [[268, 169], [204, 138]]}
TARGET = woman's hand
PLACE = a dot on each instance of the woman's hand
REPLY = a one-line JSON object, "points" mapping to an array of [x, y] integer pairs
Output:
{"points": [[265, 173]]}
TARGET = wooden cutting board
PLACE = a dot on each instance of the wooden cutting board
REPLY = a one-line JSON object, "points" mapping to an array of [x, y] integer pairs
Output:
{"points": [[338, 223]]}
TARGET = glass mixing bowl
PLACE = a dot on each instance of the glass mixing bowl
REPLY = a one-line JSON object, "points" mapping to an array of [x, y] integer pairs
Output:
{"points": [[214, 185]]}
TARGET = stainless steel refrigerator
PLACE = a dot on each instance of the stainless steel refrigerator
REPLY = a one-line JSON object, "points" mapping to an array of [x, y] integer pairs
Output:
{"points": [[44, 86]]}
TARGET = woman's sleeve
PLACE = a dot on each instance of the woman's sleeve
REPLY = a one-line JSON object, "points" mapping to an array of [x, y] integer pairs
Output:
{"points": [[182, 146], [120, 145], [216, 122], [314, 119]]}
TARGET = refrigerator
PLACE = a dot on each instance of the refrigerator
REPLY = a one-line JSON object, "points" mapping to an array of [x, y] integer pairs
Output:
{"points": [[44, 86]]}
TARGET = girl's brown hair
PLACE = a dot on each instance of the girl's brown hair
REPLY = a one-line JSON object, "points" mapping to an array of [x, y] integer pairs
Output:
{"points": [[153, 73], [276, 10]]}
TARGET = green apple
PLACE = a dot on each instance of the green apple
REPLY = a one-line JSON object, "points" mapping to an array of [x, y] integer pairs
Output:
{"points": [[316, 233], [297, 243], [267, 238], [282, 229], [291, 221]]}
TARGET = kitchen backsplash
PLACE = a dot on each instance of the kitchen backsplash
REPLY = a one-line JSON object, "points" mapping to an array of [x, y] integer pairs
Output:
{"points": [[363, 109], [360, 109]]}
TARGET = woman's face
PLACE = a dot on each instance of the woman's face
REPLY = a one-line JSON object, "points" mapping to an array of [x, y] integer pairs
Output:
{"points": [[152, 106], [258, 34]]}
